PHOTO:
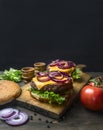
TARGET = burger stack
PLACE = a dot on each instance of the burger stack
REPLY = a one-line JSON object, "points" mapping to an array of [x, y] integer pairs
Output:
{"points": [[55, 84]]}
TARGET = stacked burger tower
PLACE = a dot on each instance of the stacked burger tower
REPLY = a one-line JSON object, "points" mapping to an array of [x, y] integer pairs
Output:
{"points": [[55, 84]]}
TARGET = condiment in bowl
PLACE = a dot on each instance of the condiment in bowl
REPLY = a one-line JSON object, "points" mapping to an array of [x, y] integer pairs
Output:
{"points": [[39, 66], [27, 74]]}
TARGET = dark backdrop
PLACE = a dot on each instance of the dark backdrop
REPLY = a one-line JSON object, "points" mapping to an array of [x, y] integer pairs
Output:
{"points": [[43, 30]]}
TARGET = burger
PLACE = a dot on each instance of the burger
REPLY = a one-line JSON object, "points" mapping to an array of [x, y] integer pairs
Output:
{"points": [[54, 87]]}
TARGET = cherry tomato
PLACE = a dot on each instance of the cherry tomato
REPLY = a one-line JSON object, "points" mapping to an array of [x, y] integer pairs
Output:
{"points": [[91, 97]]}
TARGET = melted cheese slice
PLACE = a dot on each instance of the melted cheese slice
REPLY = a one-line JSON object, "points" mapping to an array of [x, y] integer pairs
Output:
{"points": [[39, 84], [55, 68]]}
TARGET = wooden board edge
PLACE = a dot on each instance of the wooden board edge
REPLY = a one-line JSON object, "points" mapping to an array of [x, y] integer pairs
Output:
{"points": [[38, 110]]}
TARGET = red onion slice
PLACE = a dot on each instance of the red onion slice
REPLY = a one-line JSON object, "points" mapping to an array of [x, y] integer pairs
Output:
{"points": [[43, 78], [8, 113], [19, 120], [42, 74], [59, 77], [56, 74], [71, 64], [53, 63], [63, 65], [4, 113]]}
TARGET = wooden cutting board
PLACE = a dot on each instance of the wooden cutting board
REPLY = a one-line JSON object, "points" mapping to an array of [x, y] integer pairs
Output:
{"points": [[25, 100]]}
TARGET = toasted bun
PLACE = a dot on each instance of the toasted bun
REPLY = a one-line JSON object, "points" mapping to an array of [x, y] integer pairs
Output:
{"points": [[9, 90]]}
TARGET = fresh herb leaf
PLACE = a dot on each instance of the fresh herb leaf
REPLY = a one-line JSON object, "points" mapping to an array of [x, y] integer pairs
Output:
{"points": [[76, 73], [11, 74]]}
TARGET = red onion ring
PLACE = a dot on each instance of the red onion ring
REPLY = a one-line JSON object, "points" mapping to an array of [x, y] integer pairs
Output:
{"points": [[53, 75], [43, 77], [71, 64], [4, 113], [42, 73], [19, 120], [63, 65], [56, 74], [53, 63], [8, 113]]}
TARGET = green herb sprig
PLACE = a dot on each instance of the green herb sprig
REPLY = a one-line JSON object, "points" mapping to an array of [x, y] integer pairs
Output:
{"points": [[76, 73]]}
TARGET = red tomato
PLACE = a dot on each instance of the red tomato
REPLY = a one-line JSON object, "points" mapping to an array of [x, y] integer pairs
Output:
{"points": [[92, 97]]}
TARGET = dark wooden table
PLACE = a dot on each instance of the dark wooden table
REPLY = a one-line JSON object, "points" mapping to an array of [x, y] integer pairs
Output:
{"points": [[76, 118]]}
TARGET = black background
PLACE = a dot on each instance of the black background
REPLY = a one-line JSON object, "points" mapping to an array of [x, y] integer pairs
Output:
{"points": [[43, 30]]}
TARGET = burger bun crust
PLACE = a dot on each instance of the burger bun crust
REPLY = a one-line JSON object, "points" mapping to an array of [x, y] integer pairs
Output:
{"points": [[9, 91]]}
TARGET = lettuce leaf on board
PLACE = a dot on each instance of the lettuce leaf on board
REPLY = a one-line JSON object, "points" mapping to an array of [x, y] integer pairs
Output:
{"points": [[11, 74]]}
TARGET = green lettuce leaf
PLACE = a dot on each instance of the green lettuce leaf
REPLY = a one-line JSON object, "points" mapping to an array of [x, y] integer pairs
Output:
{"points": [[11, 74], [53, 97]]}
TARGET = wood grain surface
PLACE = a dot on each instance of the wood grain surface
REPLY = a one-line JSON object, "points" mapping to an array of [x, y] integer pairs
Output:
{"points": [[51, 110]]}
